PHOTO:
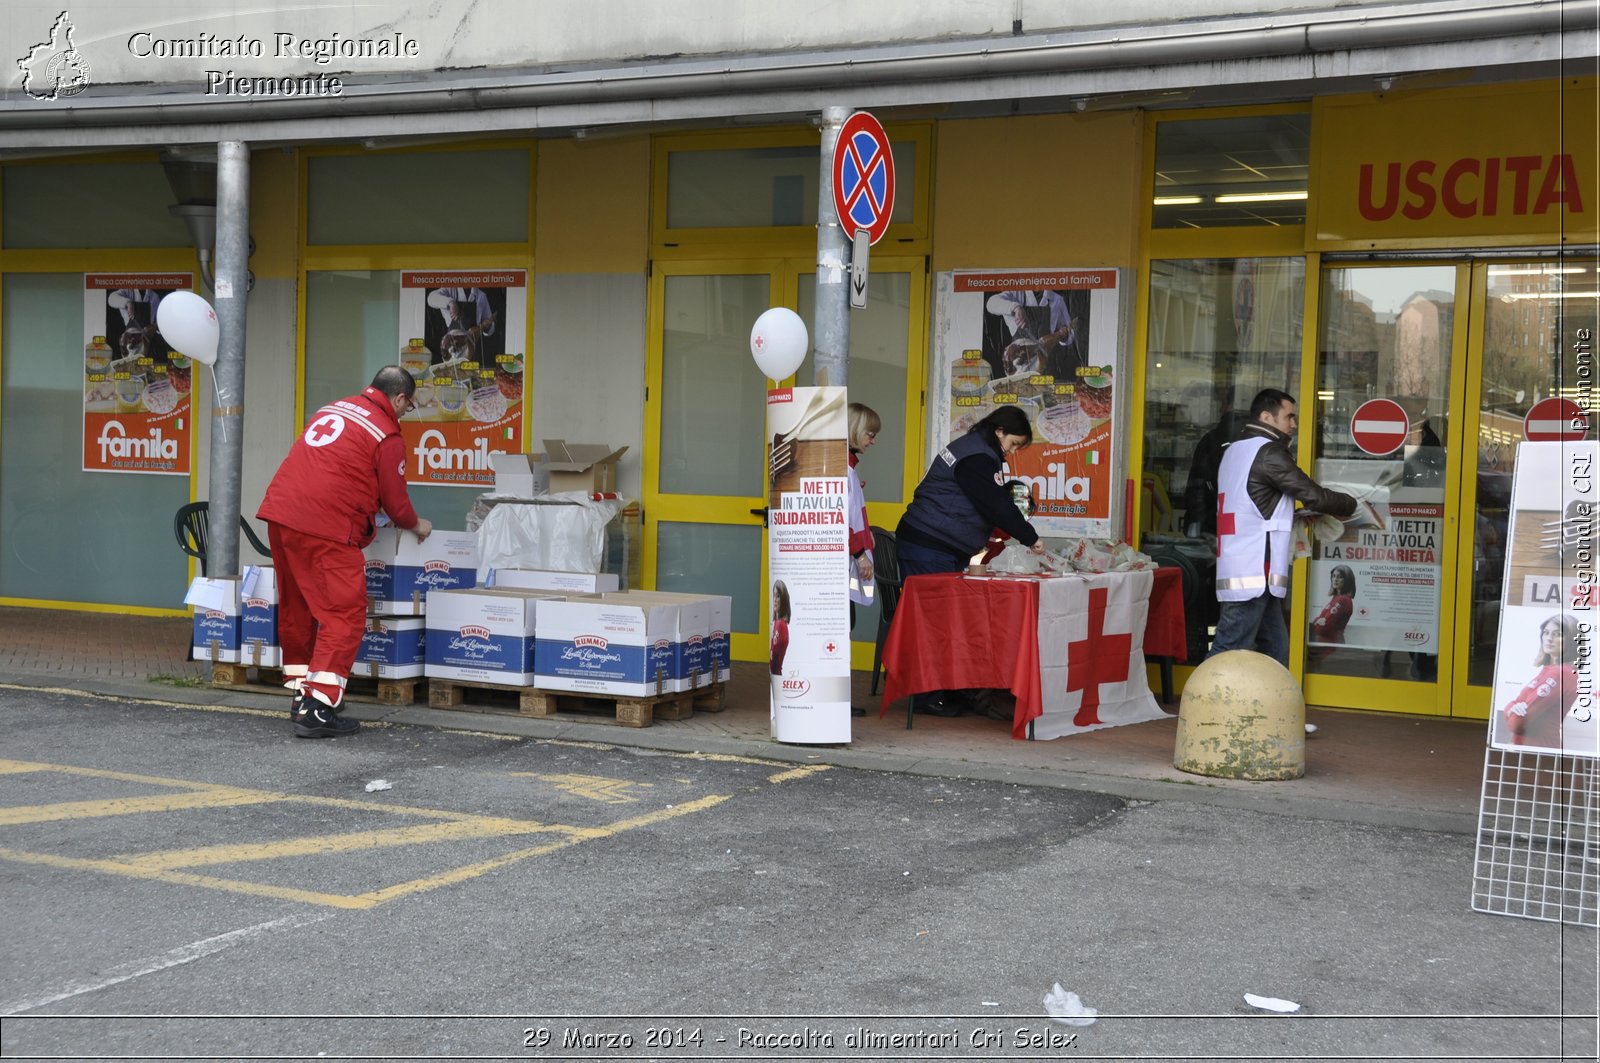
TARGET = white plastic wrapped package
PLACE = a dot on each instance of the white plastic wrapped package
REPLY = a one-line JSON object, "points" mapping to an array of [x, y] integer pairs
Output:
{"points": [[563, 532]]}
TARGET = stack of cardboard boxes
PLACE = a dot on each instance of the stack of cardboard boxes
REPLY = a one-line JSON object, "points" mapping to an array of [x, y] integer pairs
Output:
{"points": [[401, 574]]}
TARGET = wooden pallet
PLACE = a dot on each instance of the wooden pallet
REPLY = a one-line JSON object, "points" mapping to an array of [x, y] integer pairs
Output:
{"points": [[625, 710], [359, 687]]}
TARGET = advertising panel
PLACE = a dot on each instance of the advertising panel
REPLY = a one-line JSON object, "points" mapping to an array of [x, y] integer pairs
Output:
{"points": [[1044, 340], [808, 557], [135, 386], [464, 334], [1543, 699]]}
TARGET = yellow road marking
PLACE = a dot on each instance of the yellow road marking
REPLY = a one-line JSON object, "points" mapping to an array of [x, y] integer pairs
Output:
{"points": [[164, 866], [798, 773], [121, 699], [181, 878], [220, 797], [329, 844], [461, 874], [593, 787]]}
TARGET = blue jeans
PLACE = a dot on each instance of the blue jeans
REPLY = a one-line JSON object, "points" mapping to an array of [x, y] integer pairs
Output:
{"points": [[918, 560], [1254, 625]]}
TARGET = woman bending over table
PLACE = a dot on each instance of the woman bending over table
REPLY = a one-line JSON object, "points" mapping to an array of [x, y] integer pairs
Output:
{"points": [[958, 502]]}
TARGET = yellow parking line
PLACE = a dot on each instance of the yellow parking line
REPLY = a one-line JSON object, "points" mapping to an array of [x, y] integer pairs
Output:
{"points": [[471, 871], [12, 767], [181, 878], [328, 844], [798, 773], [220, 797]]}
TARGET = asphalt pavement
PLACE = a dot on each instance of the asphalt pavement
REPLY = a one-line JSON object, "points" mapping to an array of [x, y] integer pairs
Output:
{"points": [[185, 880]]}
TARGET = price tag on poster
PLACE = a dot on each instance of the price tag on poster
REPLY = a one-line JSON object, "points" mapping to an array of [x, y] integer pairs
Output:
{"points": [[463, 341], [808, 558]]}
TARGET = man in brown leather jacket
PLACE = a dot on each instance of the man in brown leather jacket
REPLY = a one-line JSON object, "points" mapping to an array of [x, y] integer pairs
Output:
{"points": [[1257, 484]]}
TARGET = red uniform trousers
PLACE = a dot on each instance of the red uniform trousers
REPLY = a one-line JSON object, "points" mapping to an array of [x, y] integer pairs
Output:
{"points": [[322, 608]]}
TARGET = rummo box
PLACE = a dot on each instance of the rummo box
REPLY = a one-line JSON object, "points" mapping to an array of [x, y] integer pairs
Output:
{"points": [[587, 467], [538, 579], [392, 647], [401, 572], [258, 618], [691, 643], [606, 646], [520, 475], [216, 619], [484, 636], [719, 607]]}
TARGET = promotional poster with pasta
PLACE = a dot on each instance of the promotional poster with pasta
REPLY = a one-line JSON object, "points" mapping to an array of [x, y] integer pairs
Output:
{"points": [[463, 335], [1045, 341]]}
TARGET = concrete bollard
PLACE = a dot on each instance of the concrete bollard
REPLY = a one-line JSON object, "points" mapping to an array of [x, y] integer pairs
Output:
{"points": [[1242, 716]]}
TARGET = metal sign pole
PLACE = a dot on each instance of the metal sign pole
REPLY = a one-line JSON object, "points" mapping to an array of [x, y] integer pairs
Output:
{"points": [[830, 328], [227, 417]]}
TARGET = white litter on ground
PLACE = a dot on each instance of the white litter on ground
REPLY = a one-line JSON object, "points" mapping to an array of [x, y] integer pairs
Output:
{"points": [[379, 784], [1283, 1007], [1067, 1009]]}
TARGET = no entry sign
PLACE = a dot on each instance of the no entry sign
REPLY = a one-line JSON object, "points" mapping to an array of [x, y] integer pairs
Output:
{"points": [[1555, 420], [1379, 426], [863, 177]]}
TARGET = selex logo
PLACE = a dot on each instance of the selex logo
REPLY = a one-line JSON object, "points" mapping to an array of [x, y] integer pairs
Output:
{"points": [[795, 687]]}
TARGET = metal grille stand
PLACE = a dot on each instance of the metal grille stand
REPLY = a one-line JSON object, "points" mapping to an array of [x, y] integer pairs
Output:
{"points": [[1538, 854]]}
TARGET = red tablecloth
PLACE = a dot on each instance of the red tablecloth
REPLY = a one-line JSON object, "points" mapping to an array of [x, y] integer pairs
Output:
{"points": [[952, 633]]}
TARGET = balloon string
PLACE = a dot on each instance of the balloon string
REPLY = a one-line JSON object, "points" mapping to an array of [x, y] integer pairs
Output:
{"points": [[216, 389]]}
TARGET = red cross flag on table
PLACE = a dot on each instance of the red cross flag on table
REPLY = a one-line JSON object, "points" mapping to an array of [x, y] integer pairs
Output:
{"points": [[1091, 653]]}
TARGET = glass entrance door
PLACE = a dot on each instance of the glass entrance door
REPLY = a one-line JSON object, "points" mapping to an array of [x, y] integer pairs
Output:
{"points": [[705, 421], [1424, 375]]}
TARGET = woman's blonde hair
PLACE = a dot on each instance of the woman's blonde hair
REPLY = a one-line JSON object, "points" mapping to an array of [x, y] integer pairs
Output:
{"points": [[864, 422]]}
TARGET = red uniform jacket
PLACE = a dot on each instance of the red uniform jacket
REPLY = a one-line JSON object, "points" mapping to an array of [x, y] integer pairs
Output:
{"points": [[1535, 716], [349, 462]]}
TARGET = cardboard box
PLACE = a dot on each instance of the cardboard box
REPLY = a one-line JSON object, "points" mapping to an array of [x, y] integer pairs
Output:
{"points": [[538, 579], [691, 640], [719, 657], [605, 646], [216, 619], [587, 467], [258, 618], [520, 475], [481, 635], [401, 571], [392, 647]]}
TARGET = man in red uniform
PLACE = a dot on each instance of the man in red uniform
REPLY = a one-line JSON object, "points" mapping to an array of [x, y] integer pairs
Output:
{"points": [[319, 509]]}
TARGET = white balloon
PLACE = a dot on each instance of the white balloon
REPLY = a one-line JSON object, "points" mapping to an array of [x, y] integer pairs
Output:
{"points": [[189, 326], [779, 341]]}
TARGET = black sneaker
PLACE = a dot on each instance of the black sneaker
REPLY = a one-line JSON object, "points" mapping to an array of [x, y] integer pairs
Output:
{"points": [[316, 720], [297, 706]]}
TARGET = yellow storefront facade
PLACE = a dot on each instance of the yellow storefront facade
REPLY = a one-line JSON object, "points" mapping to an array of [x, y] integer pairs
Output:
{"points": [[1436, 246]]}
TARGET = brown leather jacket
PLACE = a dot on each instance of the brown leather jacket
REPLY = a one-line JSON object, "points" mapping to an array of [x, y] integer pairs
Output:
{"points": [[1274, 474]]}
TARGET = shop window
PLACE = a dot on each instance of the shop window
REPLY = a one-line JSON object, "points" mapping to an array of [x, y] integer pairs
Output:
{"points": [[878, 343], [435, 197], [713, 559], [759, 188], [108, 204], [1231, 172], [352, 331], [1220, 330], [67, 535]]}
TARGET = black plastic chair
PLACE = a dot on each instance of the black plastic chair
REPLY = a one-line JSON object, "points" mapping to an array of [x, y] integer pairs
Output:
{"points": [[886, 569], [191, 526]]}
